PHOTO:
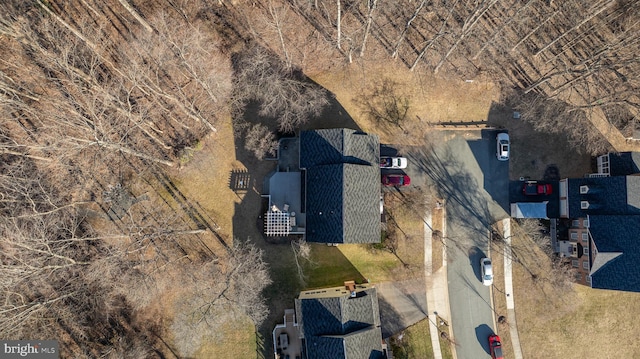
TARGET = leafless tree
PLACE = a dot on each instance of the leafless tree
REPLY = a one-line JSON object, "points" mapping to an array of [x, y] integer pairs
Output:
{"points": [[282, 94], [548, 115], [339, 24], [129, 106], [46, 282], [302, 253], [468, 27], [278, 19], [218, 293], [261, 141], [407, 26], [371, 5]]}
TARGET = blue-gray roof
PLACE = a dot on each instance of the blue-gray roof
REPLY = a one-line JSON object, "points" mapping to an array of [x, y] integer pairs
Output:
{"points": [[363, 344], [338, 145], [617, 262], [342, 185], [624, 163], [616, 195], [341, 326]]}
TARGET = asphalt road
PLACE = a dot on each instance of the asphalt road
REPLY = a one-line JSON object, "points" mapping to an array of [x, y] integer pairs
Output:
{"points": [[475, 186]]}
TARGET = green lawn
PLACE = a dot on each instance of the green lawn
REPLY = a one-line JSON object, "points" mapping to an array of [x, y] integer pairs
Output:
{"points": [[414, 342], [332, 266]]}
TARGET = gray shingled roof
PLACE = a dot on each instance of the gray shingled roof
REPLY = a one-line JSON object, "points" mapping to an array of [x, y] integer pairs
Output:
{"points": [[363, 344], [338, 145], [614, 195], [341, 326], [624, 163], [617, 262], [342, 185]]}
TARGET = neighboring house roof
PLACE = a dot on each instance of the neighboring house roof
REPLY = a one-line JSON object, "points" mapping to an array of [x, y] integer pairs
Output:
{"points": [[615, 260], [342, 185], [336, 325], [624, 163], [616, 195]]}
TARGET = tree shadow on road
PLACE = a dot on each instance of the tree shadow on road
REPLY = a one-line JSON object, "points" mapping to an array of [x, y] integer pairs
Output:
{"points": [[459, 189]]}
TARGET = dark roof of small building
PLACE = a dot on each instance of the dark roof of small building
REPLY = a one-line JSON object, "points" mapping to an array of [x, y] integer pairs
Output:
{"points": [[624, 163], [616, 264], [616, 195], [341, 326], [342, 185]]}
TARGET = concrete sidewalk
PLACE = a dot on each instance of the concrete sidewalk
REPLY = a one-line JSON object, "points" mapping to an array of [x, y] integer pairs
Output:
{"points": [[508, 289], [437, 288]]}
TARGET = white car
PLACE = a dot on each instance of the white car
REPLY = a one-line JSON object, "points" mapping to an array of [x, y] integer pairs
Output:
{"points": [[503, 146], [487, 271], [393, 162]]}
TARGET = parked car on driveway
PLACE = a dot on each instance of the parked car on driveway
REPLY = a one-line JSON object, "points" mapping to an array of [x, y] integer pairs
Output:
{"points": [[495, 346], [393, 162], [503, 149], [487, 271], [537, 189], [395, 180]]}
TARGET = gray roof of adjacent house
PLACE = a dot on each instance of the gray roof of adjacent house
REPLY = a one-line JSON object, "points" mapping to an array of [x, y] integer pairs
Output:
{"points": [[341, 326], [616, 263], [616, 195], [342, 185], [624, 163]]}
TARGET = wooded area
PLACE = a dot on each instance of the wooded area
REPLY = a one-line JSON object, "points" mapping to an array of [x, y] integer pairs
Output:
{"points": [[101, 100]]}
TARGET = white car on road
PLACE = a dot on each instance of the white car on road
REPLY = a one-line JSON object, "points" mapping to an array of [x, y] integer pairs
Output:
{"points": [[487, 271]]}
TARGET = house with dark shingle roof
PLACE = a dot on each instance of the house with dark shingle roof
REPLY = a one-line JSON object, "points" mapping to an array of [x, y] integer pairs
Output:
{"points": [[332, 192], [340, 322], [342, 175], [600, 222], [615, 252]]}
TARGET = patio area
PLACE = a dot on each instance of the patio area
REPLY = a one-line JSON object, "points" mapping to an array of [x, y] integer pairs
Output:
{"points": [[284, 215], [286, 338]]}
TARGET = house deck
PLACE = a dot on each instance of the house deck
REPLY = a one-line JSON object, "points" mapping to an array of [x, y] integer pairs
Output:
{"points": [[286, 338]]}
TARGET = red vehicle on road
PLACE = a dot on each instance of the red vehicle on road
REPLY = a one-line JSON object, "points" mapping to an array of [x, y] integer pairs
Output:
{"points": [[537, 189], [495, 346], [396, 180]]}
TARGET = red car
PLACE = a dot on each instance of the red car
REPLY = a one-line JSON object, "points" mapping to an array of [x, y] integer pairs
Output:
{"points": [[495, 347], [396, 180], [537, 189]]}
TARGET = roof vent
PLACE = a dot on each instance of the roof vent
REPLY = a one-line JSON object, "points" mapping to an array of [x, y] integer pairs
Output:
{"points": [[584, 189]]}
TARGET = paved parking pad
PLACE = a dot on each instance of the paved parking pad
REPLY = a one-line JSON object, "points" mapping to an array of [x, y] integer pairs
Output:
{"points": [[402, 304]]}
